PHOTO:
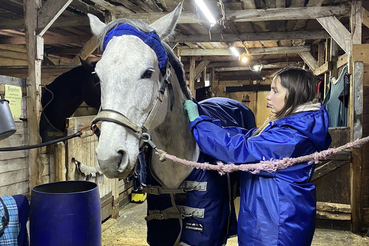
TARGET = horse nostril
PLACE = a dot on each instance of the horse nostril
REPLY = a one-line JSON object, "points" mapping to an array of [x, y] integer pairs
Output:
{"points": [[121, 155]]}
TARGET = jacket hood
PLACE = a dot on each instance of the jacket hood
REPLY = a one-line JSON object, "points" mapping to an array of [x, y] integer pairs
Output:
{"points": [[313, 124]]}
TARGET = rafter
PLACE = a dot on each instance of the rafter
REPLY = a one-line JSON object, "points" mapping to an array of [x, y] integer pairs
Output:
{"points": [[321, 34], [254, 51]]}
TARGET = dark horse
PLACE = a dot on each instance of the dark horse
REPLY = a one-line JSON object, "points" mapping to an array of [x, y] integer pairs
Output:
{"points": [[64, 95]]}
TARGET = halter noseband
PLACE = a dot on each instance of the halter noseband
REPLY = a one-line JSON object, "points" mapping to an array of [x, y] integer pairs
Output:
{"points": [[120, 119]]}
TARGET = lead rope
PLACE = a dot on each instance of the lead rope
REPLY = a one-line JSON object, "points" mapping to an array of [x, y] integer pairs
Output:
{"points": [[265, 165]]}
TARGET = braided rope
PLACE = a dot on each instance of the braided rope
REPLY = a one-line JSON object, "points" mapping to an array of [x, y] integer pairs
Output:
{"points": [[265, 165]]}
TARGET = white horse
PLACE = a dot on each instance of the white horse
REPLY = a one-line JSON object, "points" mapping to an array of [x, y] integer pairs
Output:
{"points": [[136, 99]]}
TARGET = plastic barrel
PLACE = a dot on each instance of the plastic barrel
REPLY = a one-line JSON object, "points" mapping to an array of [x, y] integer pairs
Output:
{"points": [[65, 213], [7, 126]]}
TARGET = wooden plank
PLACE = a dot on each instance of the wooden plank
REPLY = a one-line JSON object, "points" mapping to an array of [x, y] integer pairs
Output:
{"points": [[309, 60], [13, 177], [360, 52], [13, 165], [111, 7], [49, 12], [365, 17], [356, 197], [321, 34], [337, 31], [48, 39], [326, 168], [333, 207], [332, 216], [200, 68], [86, 51], [322, 69], [356, 22], [254, 51], [342, 60], [251, 15], [192, 76], [15, 189], [321, 54], [265, 66]]}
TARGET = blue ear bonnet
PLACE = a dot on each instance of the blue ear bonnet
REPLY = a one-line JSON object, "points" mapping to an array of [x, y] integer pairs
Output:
{"points": [[151, 39]]}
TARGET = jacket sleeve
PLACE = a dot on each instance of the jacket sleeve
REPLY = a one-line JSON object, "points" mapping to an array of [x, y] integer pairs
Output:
{"points": [[276, 143]]}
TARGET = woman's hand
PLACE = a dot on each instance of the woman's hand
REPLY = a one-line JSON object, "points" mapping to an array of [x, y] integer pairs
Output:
{"points": [[191, 109]]}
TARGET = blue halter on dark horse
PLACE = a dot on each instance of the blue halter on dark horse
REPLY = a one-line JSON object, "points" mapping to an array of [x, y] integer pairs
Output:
{"points": [[64, 95], [199, 211]]}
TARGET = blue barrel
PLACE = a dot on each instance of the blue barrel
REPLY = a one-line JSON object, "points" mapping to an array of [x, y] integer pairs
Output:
{"points": [[65, 213]]}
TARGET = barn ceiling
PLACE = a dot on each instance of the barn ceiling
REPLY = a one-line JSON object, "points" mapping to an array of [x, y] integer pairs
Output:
{"points": [[273, 32]]}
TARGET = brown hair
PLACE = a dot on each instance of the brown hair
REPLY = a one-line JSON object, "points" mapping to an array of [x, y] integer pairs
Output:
{"points": [[301, 88]]}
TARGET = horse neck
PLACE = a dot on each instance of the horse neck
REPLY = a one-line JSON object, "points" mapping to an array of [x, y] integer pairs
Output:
{"points": [[174, 137]]}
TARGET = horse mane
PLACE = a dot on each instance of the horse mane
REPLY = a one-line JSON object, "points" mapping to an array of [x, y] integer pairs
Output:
{"points": [[143, 26]]}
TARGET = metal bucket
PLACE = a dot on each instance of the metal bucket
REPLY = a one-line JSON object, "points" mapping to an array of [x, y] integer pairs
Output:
{"points": [[7, 126], [65, 214]]}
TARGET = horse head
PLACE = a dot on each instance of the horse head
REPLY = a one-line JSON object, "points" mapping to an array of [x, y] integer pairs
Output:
{"points": [[131, 72], [61, 98]]}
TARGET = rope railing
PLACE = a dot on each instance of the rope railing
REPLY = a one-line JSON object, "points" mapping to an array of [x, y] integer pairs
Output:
{"points": [[265, 165]]}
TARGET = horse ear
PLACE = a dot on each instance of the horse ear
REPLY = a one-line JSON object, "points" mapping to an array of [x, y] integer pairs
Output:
{"points": [[165, 25], [96, 25], [84, 63]]}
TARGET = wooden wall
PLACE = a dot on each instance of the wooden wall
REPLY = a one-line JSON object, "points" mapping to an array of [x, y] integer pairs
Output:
{"points": [[14, 169], [257, 102]]}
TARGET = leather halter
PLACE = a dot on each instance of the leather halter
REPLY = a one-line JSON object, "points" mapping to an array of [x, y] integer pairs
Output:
{"points": [[120, 119]]}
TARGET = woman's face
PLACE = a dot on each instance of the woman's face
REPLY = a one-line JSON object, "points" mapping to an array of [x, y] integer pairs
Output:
{"points": [[277, 96]]}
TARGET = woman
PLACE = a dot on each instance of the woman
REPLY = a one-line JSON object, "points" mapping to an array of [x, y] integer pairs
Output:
{"points": [[276, 208]]}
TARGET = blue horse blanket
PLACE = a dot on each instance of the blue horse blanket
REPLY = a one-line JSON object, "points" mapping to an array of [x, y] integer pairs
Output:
{"points": [[219, 220]]}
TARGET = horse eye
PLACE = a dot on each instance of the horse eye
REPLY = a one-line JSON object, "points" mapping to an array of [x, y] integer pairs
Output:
{"points": [[147, 74]]}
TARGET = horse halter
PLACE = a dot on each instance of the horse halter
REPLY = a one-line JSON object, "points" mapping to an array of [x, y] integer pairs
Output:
{"points": [[120, 119]]}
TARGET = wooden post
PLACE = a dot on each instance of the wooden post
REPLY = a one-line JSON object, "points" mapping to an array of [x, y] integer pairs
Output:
{"points": [[355, 120], [333, 53], [192, 76], [34, 46]]}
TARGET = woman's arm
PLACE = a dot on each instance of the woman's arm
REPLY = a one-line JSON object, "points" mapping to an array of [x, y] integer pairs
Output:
{"points": [[276, 143]]}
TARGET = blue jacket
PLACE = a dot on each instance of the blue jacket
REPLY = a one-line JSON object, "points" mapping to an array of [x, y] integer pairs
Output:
{"points": [[276, 208]]}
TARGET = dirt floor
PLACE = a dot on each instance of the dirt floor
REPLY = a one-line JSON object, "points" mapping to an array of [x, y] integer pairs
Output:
{"points": [[130, 230]]}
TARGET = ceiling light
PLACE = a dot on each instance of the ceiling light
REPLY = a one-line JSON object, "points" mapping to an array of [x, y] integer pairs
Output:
{"points": [[206, 11], [256, 68], [244, 57], [234, 51]]}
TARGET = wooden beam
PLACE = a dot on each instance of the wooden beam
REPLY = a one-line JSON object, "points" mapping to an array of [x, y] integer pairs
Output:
{"points": [[322, 69], [111, 7], [337, 31], [254, 51], [321, 34], [265, 66], [254, 15], [86, 51], [250, 15], [49, 13], [366, 17], [342, 60], [48, 39], [200, 68], [309, 60], [33, 89], [192, 76]]}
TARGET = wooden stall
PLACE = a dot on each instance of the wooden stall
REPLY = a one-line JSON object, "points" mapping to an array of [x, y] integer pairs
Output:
{"points": [[41, 39]]}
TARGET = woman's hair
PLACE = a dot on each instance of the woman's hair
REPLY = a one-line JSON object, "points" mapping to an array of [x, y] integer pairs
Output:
{"points": [[301, 88]]}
